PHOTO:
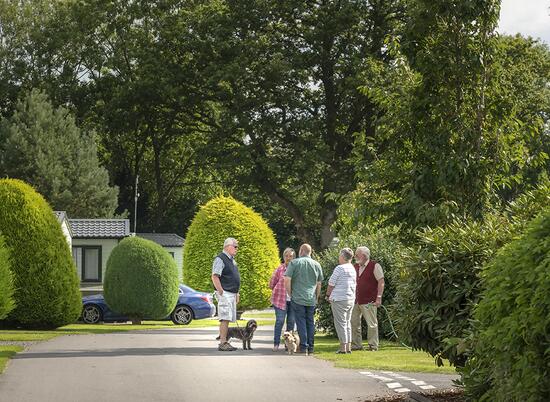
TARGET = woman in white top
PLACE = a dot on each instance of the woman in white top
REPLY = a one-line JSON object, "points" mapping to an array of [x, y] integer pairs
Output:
{"points": [[341, 295]]}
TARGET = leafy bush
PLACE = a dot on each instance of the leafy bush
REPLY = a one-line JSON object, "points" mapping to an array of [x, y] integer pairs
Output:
{"points": [[141, 280], [46, 284], [386, 249], [258, 255], [440, 285], [440, 279], [512, 346], [7, 303]]}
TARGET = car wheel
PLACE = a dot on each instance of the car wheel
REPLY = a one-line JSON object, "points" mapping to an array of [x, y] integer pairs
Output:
{"points": [[91, 314], [182, 315]]}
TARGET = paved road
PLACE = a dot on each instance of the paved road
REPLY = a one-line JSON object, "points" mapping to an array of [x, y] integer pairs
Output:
{"points": [[183, 365]]}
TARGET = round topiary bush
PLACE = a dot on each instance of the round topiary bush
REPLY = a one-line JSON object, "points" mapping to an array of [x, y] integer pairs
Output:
{"points": [[258, 255], [511, 346], [46, 284], [6, 282], [141, 280]]}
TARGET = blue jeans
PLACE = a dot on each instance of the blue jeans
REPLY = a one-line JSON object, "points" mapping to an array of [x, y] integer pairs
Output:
{"points": [[280, 316], [305, 324]]}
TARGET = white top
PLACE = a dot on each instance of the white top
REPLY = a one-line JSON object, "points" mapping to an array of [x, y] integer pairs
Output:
{"points": [[344, 280], [378, 273]]}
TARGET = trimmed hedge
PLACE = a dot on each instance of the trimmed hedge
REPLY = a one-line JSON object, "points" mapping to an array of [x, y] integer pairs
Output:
{"points": [[46, 284], [385, 249], [258, 255], [141, 280], [7, 302], [511, 352]]}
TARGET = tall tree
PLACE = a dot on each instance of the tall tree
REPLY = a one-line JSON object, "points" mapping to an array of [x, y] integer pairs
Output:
{"points": [[43, 146], [290, 74]]}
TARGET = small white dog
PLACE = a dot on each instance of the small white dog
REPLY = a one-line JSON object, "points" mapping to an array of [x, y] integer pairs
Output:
{"points": [[292, 341]]}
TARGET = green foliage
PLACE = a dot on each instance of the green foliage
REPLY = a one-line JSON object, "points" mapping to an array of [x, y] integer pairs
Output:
{"points": [[43, 146], [141, 279], [258, 255], [385, 249], [440, 284], [511, 350], [46, 284], [7, 302]]}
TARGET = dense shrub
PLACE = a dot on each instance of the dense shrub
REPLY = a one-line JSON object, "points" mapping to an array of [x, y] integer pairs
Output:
{"points": [[46, 284], [511, 352], [7, 302], [141, 280], [440, 281], [258, 254], [386, 249], [440, 285]]}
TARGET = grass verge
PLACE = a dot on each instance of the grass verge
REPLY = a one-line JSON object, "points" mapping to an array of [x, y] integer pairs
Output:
{"points": [[5, 353], [390, 356]]}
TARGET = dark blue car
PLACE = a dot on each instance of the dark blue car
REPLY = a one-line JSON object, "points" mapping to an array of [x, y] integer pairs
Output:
{"points": [[191, 305]]}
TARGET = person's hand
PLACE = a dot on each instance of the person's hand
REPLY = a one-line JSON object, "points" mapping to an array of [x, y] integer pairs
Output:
{"points": [[220, 292], [238, 298], [378, 302]]}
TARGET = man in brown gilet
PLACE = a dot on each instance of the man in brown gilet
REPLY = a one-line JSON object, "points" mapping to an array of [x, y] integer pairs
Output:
{"points": [[368, 297]]}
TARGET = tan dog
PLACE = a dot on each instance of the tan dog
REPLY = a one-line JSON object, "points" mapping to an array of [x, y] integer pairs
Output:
{"points": [[292, 341]]}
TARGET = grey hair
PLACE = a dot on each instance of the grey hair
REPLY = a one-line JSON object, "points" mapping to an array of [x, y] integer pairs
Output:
{"points": [[347, 253], [230, 242], [289, 250], [364, 250]]}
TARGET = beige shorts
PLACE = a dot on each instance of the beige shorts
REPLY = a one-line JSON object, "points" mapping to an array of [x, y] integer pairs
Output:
{"points": [[227, 306]]}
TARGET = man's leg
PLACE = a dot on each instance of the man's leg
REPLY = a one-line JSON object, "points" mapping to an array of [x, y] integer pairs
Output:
{"points": [[372, 322], [300, 316], [224, 325], [310, 327], [357, 338], [290, 320]]}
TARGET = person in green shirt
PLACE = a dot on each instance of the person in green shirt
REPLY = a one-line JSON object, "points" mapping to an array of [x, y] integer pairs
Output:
{"points": [[303, 284]]}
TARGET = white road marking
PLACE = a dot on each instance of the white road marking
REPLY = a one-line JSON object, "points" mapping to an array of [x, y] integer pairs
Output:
{"points": [[396, 386]]}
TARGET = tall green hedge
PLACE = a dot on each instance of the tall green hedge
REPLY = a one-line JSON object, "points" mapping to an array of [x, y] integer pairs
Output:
{"points": [[511, 353], [141, 279], [386, 249], [46, 284], [257, 257], [7, 302]]}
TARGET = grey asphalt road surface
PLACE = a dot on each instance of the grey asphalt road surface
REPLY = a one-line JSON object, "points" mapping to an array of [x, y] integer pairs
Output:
{"points": [[182, 364]]}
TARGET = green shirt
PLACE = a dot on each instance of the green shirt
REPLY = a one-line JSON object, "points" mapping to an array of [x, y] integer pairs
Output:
{"points": [[304, 272]]}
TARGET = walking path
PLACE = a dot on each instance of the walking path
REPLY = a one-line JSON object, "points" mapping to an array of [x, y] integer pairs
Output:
{"points": [[179, 364]]}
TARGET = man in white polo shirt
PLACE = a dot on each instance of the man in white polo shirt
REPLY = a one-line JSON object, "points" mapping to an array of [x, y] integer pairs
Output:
{"points": [[227, 281]]}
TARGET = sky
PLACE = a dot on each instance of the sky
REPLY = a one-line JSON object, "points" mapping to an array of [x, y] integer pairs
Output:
{"points": [[528, 17]]}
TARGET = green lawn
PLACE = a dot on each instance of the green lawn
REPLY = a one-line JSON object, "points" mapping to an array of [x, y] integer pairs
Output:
{"points": [[5, 353], [390, 356]]}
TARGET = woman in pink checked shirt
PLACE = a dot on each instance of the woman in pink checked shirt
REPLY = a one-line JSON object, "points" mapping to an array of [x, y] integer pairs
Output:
{"points": [[280, 300]]}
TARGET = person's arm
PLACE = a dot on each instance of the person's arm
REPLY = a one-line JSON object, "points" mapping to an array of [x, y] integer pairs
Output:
{"points": [[275, 278], [217, 283], [379, 292], [318, 291], [288, 286], [329, 291]]}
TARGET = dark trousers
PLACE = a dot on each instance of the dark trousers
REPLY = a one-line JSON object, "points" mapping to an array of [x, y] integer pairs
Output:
{"points": [[305, 325]]}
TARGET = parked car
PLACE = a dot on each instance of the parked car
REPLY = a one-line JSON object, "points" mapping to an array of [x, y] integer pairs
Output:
{"points": [[191, 305]]}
